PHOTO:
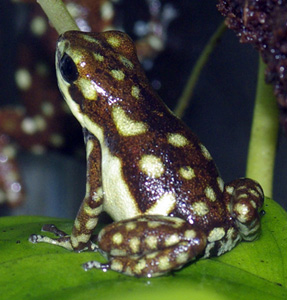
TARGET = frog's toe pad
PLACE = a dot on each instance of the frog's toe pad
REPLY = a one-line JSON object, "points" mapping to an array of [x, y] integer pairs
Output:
{"points": [[33, 238], [38, 238]]}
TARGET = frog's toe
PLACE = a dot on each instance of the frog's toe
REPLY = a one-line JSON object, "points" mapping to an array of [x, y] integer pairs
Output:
{"points": [[77, 243], [33, 238], [53, 229], [64, 242]]}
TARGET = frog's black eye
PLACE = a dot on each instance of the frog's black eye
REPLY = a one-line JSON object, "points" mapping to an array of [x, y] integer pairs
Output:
{"points": [[68, 68]]}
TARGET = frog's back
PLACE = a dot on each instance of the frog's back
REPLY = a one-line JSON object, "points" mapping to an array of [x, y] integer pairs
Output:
{"points": [[160, 165]]}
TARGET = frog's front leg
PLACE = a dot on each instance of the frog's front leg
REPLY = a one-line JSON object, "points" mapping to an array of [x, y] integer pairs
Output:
{"points": [[149, 246], [87, 217], [244, 198]]}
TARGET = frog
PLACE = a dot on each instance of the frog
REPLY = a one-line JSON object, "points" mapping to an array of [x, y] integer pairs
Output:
{"points": [[145, 168]]}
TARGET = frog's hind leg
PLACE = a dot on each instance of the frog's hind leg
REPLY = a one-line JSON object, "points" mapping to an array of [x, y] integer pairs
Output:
{"points": [[149, 246], [246, 201]]}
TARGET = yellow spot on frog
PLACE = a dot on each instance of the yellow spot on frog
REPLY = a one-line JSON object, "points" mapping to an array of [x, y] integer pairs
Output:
{"points": [[253, 204], [171, 240], [135, 92], [242, 187], [140, 266], [177, 139], [91, 223], [182, 258], [117, 238], [116, 265], [210, 194], [131, 226], [200, 208], [177, 222], [163, 263], [151, 165], [151, 242], [153, 224], [152, 255], [90, 39], [187, 172], [220, 184], [126, 62], [113, 41], [118, 252], [242, 212], [134, 244], [76, 55], [230, 190], [77, 224], [74, 241], [125, 125], [189, 234], [216, 234], [98, 195], [98, 57], [205, 152], [128, 271], [254, 193], [83, 238], [242, 196], [259, 190], [88, 89], [118, 74], [92, 212]]}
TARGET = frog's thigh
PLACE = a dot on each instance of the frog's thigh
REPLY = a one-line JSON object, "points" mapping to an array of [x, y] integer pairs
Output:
{"points": [[150, 245], [246, 199]]}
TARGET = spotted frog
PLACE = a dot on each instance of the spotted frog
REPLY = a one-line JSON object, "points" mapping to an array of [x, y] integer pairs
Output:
{"points": [[145, 168]]}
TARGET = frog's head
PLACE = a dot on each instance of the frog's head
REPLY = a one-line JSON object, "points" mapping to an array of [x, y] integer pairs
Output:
{"points": [[97, 70]]}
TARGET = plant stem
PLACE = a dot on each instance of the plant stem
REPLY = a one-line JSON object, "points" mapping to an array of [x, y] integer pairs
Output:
{"points": [[264, 134], [195, 73], [58, 15]]}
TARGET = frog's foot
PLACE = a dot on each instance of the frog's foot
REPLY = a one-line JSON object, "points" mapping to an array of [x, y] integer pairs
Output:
{"points": [[149, 246], [64, 239], [246, 201]]}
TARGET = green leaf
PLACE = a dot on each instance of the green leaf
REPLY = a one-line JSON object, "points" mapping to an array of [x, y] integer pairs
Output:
{"points": [[254, 270]]}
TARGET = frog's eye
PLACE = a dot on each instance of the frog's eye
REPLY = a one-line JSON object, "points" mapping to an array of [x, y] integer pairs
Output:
{"points": [[68, 68]]}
